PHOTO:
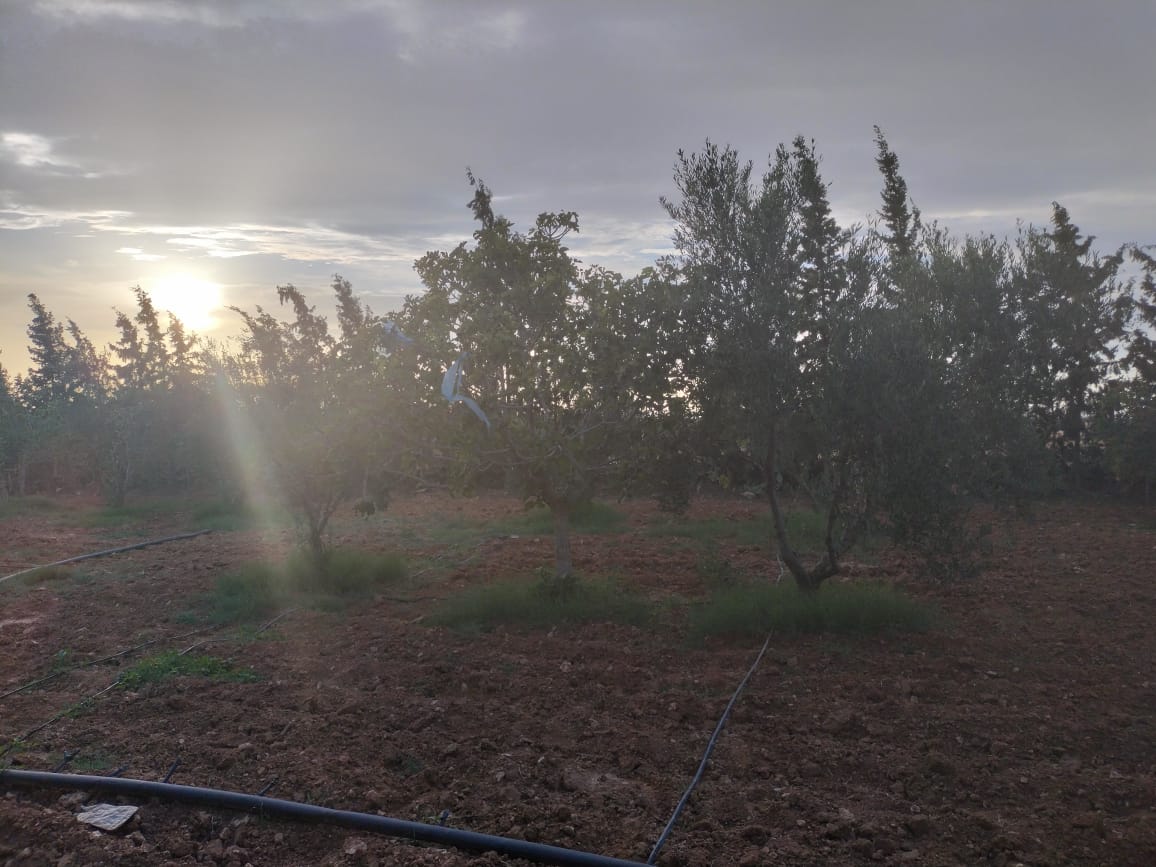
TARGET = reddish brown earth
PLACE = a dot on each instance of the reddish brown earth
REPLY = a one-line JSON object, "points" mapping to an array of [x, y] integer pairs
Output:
{"points": [[1020, 731]]}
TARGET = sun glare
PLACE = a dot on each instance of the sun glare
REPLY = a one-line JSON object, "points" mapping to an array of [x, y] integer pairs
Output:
{"points": [[192, 300]]}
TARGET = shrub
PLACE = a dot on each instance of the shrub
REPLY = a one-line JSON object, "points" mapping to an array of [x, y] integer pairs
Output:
{"points": [[753, 610], [248, 593], [343, 571]]}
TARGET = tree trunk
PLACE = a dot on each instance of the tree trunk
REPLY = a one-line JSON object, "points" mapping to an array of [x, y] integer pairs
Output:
{"points": [[807, 580], [563, 559]]}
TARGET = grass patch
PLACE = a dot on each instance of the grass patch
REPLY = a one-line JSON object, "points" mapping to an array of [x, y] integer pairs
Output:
{"points": [[753, 610], [530, 605], [256, 590], [11, 507], [170, 664], [48, 574], [137, 513], [226, 517], [344, 572], [249, 593]]}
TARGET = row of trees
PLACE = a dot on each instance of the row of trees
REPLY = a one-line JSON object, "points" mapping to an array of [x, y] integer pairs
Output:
{"points": [[892, 375]]}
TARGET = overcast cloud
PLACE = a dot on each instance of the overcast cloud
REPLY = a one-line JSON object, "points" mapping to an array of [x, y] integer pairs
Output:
{"points": [[257, 142]]}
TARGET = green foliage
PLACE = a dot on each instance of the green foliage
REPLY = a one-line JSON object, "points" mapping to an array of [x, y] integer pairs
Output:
{"points": [[537, 605], [561, 359], [252, 592], [257, 589], [751, 611], [169, 664], [225, 516], [48, 574], [343, 571]]}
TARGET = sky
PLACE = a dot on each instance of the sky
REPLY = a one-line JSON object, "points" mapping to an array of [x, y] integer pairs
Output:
{"points": [[211, 150]]}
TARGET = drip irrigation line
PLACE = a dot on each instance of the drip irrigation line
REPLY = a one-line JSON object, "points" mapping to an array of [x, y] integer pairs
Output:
{"points": [[263, 628], [109, 658], [706, 756], [168, 777], [107, 552], [12, 744], [276, 808]]}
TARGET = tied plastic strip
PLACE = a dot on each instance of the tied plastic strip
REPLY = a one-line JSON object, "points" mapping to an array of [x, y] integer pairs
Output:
{"points": [[451, 385]]}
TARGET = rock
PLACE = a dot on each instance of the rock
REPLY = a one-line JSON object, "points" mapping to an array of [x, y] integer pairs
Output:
{"points": [[839, 831], [354, 846], [72, 800], [918, 826], [107, 817], [1092, 821], [214, 849], [885, 845], [841, 721], [756, 834], [752, 858], [810, 769]]}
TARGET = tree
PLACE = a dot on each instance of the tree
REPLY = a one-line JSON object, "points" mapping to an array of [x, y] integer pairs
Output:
{"points": [[302, 389], [900, 217], [806, 369], [550, 360], [1126, 408], [62, 393], [1074, 315]]}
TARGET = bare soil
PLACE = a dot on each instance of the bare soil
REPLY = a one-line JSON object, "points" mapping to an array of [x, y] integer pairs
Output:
{"points": [[1022, 730]]}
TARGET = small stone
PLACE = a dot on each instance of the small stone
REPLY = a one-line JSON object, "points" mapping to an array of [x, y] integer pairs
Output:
{"points": [[214, 849], [354, 846], [918, 826], [756, 834]]}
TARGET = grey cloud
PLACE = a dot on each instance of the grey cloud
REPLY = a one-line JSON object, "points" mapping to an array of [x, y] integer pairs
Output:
{"points": [[278, 139]]}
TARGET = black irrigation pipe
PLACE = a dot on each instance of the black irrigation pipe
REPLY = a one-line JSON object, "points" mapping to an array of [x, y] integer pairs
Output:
{"points": [[107, 553], [706, 756], [274, 807]]}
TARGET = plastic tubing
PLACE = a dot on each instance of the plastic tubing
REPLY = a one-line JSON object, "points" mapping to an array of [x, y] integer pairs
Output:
{"points": [[276, 808], [106, 553], [706, 756]]}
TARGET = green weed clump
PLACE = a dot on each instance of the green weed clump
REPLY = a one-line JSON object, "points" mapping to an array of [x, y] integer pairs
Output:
{"points": [[753, 610], [248, 593], [538, 605], [344, 571], [225, 516], [258, 589], [170, 664]]}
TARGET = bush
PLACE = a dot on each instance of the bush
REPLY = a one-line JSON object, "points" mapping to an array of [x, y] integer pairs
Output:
{"points": [[751, 611], [538, 605], [343, 571], [250, 593], [256, 590]]}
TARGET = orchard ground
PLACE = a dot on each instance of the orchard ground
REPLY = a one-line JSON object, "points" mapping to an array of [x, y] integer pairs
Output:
{"points": [[1019, 729]]}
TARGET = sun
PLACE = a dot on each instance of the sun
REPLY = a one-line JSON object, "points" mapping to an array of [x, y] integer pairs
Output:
{"points": [[191, 299]]}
